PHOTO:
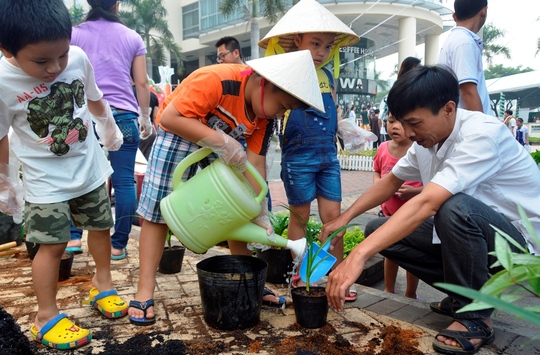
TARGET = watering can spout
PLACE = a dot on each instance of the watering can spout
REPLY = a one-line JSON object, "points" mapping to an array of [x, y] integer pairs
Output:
{"points": [[298, 247], [252, 233]]}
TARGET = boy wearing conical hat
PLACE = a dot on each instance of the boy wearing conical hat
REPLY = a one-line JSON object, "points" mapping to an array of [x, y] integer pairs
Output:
{"points": [[309, 165], [211, 108]]}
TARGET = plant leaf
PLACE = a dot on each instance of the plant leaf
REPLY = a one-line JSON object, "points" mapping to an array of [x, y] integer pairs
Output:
{"points": [[500, 304], [503, 252]]}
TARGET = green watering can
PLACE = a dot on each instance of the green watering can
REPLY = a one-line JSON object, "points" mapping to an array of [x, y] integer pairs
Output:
{"points": [[218, 204]]}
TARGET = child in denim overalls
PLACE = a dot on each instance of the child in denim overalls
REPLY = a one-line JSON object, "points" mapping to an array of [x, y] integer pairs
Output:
{"points": [[309, 165]]}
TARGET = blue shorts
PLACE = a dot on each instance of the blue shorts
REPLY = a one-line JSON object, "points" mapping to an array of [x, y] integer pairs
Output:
{"points": [[308, 173]]}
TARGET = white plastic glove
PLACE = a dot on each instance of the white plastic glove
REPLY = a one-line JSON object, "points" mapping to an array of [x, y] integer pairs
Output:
{"points": [[145, 125], [228, 149], [11, 192], [263, 219], [109, 134], [353, 136]]}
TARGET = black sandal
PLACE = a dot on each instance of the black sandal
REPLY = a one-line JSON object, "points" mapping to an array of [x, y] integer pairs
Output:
{"points": [[476, 329], [268, 292], [444, 307], [143, 306]]}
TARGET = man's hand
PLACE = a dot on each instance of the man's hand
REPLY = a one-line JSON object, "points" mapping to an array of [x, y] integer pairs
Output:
{"points": [[341, 279]]}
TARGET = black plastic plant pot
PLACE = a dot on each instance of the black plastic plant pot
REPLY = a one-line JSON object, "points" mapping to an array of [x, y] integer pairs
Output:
{"points": [[171, 260], [280, 264], [310, 308], [32, 249], [231, 288], [66, 263]]}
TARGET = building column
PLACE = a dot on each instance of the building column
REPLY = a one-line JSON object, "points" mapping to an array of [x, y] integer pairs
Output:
{"points": [[407, 38], [202, 59], [431, 51]]}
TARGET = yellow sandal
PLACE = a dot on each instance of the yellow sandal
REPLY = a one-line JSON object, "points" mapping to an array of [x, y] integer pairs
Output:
{"points": [[61, 333], [107, 302]]}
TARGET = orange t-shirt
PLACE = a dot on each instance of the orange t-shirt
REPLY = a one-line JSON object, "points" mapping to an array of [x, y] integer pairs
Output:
{"points": [[216, 93]]}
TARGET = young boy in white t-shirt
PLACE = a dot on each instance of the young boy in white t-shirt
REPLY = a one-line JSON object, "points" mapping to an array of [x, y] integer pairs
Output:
{"points": [[48, 97]]}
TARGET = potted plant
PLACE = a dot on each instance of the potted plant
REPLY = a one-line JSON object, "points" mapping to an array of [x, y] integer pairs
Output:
{"points": [[172, 257], [309, 302], [536, 157], [279, 260]]}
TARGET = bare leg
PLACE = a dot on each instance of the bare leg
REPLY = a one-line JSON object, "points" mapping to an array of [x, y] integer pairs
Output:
{"points": [[99, 245], [390, 275], [412, 285], [45, 268], [151, 243]]}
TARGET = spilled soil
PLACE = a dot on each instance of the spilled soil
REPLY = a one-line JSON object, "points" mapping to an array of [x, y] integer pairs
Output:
{"points": [[391, 340]]}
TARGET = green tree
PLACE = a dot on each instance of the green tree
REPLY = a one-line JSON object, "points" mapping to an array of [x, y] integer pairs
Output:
{"points": [[77, 14], [272, 9], [499, 70], [491, 49], [147, 18]]}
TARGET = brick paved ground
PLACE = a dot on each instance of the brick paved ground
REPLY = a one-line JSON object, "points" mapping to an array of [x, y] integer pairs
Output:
{"points": [[178, 299]]}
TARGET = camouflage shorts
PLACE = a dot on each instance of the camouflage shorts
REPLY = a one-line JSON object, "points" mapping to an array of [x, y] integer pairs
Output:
{"points": [[49, 223]]}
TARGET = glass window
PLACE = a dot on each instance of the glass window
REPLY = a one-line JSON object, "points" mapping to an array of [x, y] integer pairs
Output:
{"points": [[190, 20]]}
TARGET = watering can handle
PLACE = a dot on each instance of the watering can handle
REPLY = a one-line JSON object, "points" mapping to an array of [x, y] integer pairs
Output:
{"points": [[200, 154]]}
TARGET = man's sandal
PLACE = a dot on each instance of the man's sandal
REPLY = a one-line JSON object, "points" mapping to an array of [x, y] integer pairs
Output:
{"points": [[476, 329], [143, 306], [61, 333], [444, 307], [107, 302]]}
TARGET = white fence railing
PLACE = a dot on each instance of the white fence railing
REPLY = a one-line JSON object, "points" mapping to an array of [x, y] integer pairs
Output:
{"points": [[355, 162]]}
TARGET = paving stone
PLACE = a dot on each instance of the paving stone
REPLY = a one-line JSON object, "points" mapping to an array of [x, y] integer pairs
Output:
{"points": [[385, 307]]}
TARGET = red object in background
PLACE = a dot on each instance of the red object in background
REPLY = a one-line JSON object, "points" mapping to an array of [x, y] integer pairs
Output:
{"points": [[139, 180], [159, 93]]}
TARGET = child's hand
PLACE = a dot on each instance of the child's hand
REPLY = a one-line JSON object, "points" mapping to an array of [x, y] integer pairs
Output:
{"points": [[229, 150], [107, 130], [263, 219], [11, 191], [406, 192]]}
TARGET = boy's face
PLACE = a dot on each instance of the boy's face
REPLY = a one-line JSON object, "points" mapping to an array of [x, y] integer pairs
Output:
{"points": [[427, 129], [318, 43], [273, 103], [43, 60]]}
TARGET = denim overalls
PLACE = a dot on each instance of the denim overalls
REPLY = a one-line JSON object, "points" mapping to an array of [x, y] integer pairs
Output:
{"points": [[309, 164]]}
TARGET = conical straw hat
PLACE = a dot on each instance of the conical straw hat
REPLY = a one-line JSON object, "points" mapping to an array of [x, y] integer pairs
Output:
{"points": [[294, 73], [305, 17]]}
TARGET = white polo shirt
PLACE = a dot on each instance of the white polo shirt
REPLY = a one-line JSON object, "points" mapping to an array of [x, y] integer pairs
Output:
{"points": [[462, 52], [482, 159]]}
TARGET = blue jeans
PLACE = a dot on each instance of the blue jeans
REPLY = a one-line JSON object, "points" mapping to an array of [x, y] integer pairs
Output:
{"points": [[463, 225], [123, 177], [76, 233]]}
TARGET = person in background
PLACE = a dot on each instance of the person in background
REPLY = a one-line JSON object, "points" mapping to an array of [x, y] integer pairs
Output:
{"points": [[522, 132], [462, 53], [116, 51], [310, 168], [375, 126], [352, 113], [510, 121], [365, 119], [63, 164], [228, 51], [457, 202]]}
